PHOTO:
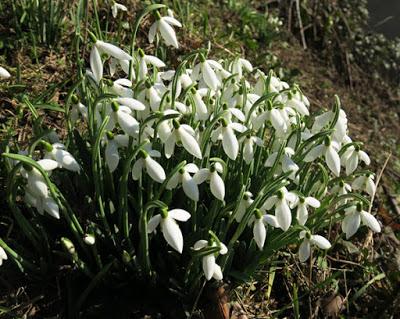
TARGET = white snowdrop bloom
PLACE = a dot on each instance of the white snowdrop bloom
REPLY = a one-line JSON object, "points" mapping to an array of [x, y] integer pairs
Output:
{"points": [[202, 112], [240, 64], [330, 151], [64, 159], [276, 117], [112, 50], [96, 64], [78, 110], [4, 74], [248, 147], [365, 183], [206, 70], [169, 227], [153, 169], [3, 255], [144, 60], [185, 134], [302, 210], [276, 85], [308, 239], [259, 229], [341, 189], [351, 157], [132, 103], [111, 154], [210, 267], [122, 87], [42, 204], [122, 116], [163, 25], [354, 216], [184, 177], [244, 203], [116, 7], [217, 185], [89, 239], [287, 163], [282, 202], [297, 104], [36, 182], [323, 120], [225, 132]]}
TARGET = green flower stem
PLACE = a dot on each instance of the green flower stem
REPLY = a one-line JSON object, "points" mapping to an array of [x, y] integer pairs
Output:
{"points": [[18, 258]]}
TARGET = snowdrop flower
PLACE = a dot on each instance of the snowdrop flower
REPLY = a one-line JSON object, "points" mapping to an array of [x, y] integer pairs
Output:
{"points": [[287, 163], [217, 185], [36, 183], [302, 210], [163, 25], [330, 151], [144, 60], [64, 159], [189, 184], [96, 64], [259, 229], [210, 267], [248, 147], [365, 183], [185, 134], [207, 70], [122, 87], [238, 65], [202, 112], [111, 153], [3, 255], [170, 229], [277, 117], [341, 189], [354, 215], [127, 122], [42, 204], [351, 158], [325, 119], [117, 6], [225, 132], [112, 50], [281, 201], [308, 239], [77, 110], [297, 104], [4, 74], [244, 203], [146, 161]]}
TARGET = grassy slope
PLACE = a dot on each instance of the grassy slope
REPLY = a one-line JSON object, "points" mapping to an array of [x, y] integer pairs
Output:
{"points": [[235, 27]]}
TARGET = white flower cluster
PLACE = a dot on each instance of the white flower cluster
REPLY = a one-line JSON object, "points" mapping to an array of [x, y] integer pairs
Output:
{"points": [[231, 124]]}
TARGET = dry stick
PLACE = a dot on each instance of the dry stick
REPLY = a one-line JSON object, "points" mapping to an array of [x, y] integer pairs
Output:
{"points": [[378, 180], [303, 38]]}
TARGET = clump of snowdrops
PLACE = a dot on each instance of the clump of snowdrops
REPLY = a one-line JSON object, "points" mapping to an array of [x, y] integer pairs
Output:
{"points": [[183, 175]]}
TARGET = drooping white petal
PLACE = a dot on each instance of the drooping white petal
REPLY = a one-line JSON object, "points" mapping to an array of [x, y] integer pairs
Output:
{"points": [[271, 220], [189, 143], [113, 50], [333, 160], [137, 169], [51, 207], [230, 143], [66, 160], [200, 244], [370, 221], [133, 104], [128, 123], [350, 224], [4, 74], [269, 203], [190, 187], [172, 233], [320, 241], [217, 186], [208, 266], [283, 215], [316, 152], [153, 31], [209, 76], [154, 169], [313, 202], [370, 187], [259, 233], [201, 176], [154, 61], [48, 164], [153, 223], [217, 273], [304, 250], [302, 214], [96, 64], [36, 184], [364, 157], [351, 163], [168, 33], [179, 214]]}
